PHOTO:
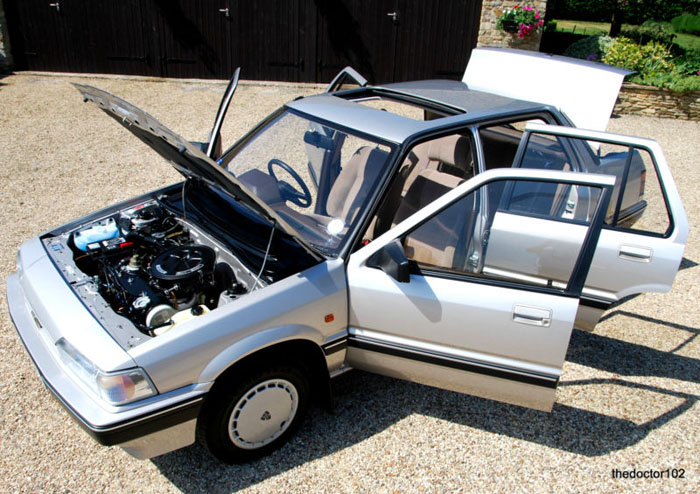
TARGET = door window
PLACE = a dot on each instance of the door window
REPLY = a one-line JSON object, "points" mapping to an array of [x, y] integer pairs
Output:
{"points": [[429, 170], [642, 206], [513, 231]]}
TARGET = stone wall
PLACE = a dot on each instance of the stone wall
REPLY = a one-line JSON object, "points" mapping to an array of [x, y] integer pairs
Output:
{"points": [[490, 35], [651, 101], [5, 55]]}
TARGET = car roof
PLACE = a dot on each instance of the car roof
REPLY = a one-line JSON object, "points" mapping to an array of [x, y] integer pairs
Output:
{"points": [[471, 106]]}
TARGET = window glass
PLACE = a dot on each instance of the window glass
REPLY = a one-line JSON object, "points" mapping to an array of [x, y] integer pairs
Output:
{"points": [[518, 231], [642, 206], [315, 177], [500, 142], [643, 189], [429, 170]]}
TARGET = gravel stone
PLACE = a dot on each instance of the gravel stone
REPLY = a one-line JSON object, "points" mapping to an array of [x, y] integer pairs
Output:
{"points": [[627, 399]]}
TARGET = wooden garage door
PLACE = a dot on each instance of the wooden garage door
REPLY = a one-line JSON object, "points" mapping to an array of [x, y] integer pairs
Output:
{"points": [[288, 40]]}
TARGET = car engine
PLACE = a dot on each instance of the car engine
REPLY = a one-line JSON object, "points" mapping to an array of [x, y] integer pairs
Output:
{"points": [[148, 268]]}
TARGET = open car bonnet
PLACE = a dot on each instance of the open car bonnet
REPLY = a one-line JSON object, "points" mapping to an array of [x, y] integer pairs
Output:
{"points": [[183, 155], [585, 91]]}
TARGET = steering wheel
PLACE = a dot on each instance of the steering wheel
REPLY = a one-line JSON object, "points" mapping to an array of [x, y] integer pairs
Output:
{"points": [[287, 191]]}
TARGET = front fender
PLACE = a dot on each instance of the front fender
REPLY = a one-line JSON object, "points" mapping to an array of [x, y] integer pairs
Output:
{"points": [[254, 343]]}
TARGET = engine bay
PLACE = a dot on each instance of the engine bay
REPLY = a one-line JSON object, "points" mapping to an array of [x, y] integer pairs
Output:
{"points": [[151, 267]]}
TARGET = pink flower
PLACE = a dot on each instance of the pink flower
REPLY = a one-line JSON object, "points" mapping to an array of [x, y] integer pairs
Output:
{"points": [[520, 35], [540, 22], [522, 26], [537, 16]]}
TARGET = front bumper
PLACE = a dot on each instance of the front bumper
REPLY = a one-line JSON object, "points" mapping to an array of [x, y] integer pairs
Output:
{"points": [[145, 429]]}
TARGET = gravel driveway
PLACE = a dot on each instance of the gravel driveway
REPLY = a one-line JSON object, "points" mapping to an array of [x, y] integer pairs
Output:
{"points": [[627, 398]]}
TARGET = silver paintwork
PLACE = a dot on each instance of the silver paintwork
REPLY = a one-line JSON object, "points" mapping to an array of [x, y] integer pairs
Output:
{"points": [[462, 321], [522, 246], [62, 314], [293, 308], [397, 129], [614, 276]]}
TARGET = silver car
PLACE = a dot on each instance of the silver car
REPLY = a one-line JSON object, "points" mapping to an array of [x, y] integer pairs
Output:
{"points": [[426, 231]]}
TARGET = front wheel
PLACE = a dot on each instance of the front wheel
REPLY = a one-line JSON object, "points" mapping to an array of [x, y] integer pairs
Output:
{"points": [[249, 416]]}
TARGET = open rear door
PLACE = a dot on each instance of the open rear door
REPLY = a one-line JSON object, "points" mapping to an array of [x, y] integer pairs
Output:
{"points": [[645, 231], [422, 308]]}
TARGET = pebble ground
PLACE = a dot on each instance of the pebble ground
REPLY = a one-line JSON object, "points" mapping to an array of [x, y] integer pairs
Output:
{"points": [[627, 400]]}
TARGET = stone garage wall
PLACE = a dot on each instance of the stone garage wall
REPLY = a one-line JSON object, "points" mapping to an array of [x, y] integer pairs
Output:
{"points": [[652, 101], [5, 55], [490, 35]]}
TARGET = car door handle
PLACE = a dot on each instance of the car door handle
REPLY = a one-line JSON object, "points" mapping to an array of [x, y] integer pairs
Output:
{"points": [[534, 316], [632, 253]]}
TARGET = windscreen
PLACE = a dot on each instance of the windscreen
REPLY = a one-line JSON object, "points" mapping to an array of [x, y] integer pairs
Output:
{"points": [[317, 178]]}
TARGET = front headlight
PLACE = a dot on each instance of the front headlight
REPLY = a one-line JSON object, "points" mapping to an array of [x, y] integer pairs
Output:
{"points": [[116, 388]]}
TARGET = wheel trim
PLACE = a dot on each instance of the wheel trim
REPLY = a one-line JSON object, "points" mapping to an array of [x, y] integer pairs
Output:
{"points": [[263, 413]]}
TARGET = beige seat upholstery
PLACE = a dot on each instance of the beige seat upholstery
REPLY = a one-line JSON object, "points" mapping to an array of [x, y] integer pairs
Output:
{"points": [[356, 178], [450, 156], [435, 242]]}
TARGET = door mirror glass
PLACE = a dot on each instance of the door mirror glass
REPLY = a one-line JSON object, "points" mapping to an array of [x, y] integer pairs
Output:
{"points": [[392, 260]]}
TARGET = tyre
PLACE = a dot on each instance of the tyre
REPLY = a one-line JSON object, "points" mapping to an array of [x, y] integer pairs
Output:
{"points": [[248, 416]]}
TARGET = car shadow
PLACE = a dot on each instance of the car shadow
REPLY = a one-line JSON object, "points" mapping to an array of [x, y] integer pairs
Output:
{"points": [[598, 351], [686, 264], [367, 404]]}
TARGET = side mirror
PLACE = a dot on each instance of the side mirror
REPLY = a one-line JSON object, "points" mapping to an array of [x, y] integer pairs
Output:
{"points": [[392, 260]]}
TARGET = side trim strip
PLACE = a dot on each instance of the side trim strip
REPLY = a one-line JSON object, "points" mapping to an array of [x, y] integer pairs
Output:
{"points": [[335, 346], [595, 303], [454, 362]]}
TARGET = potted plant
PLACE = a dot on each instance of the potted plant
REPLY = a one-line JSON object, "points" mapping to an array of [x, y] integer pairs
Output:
{"points": [[520, 20]]}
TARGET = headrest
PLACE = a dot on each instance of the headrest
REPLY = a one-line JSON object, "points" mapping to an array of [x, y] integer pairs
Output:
{"points": [[453, 150]]}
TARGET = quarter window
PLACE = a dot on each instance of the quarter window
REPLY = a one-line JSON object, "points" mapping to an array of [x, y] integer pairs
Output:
{"points": [[500, 142]]}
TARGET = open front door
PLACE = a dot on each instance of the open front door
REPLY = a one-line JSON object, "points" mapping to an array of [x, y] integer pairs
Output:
{"points": [[425, 308], [646, 228]]}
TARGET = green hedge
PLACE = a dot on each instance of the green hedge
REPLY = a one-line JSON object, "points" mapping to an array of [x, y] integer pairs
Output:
{"points": [[634, 11], [643, 34], [654, 62], [686, 23]]}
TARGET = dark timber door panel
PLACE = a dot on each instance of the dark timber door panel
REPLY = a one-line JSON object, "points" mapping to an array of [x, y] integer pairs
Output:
{"points": [[271, 38], [285, 40], [357, 33], [112, 37], [195, 37], [106, 36], [435, 38], [38, 33]]}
